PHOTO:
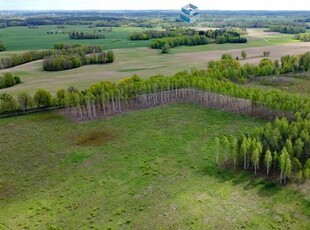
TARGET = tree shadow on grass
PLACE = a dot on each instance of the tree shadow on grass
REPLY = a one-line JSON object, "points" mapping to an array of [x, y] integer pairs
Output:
{"points": [[263, 186]]}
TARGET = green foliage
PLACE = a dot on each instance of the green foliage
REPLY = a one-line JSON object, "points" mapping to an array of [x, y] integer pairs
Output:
{"points": [[287, 29], [226, 35], [2, 47], [62, 62], [180, 41], [70, 58], [226, 56], [169, 32], [305, 37], [165, 49], [19, 59], [289, 64], [8, 104], [304, 61], [243, 54], [8, 80], [25, 101], [85, 35], [42, 98], [214, 79], [289, 141], [266, 53]]}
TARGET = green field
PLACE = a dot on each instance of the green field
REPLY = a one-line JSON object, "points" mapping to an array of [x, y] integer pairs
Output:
{"points": [[23, 38], [280, 39], [149, 169]]}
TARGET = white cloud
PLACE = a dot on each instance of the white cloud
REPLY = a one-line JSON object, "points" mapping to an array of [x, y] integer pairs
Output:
{"points": [[157, 4]]}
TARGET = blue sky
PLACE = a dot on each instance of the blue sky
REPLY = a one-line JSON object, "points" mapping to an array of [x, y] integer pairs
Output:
{"points": [[151, 4]]}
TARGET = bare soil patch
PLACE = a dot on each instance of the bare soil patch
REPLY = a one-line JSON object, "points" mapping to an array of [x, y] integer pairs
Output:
{"points": [[95, 138]]}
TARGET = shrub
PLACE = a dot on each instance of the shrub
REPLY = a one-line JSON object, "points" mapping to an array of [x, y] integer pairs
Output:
{"points": [[7, 80], [165, 49]]}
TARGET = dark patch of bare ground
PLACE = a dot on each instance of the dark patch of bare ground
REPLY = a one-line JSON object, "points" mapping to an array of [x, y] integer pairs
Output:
{"points": [[7, 188], [95, 137]]}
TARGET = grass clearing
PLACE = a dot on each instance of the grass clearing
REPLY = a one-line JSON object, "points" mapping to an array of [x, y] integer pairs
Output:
{"points": [[157, 171], [296, 84]]}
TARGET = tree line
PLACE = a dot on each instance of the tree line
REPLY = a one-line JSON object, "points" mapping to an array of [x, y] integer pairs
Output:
{"points": [[8, 80], [61, 62], [85, 35], [231, 69], [305, 37], [19, 59], [59, 49], [290, 29], [226, 35], [179, 41], [169, 32]]}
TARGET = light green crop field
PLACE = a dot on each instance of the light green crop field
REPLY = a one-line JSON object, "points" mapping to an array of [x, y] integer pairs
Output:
{"points": [[148, 169], [23, 38]]}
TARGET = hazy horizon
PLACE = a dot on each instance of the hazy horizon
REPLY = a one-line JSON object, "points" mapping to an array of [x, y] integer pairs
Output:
{"points": [[269, 5]]}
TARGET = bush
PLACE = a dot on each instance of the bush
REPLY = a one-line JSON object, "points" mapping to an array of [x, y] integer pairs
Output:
{"points": [[7, 103], [226, 56], [165, 49], [7, 80]]}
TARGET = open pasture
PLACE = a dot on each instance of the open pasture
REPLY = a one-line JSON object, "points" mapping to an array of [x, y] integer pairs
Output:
{"points": [[149, 169]]}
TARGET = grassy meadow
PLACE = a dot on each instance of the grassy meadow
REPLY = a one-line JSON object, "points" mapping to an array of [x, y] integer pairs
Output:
{"points": [[23, 38], [149, 169]]}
